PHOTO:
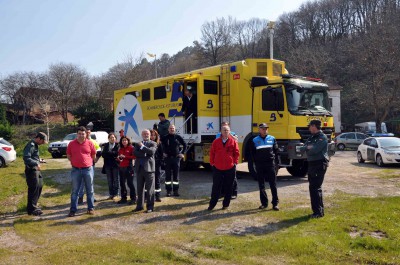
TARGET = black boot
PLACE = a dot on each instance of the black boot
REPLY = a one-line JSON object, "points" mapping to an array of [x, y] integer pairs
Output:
{"points": [[158, 197]]}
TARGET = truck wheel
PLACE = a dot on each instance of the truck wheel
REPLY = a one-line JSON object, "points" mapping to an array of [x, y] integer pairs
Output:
{"points": [[2, 162], [298, 169]]}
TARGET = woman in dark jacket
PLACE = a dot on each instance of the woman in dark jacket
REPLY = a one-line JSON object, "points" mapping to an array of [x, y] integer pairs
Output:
{"points": [[154, 136], [110, 153]]}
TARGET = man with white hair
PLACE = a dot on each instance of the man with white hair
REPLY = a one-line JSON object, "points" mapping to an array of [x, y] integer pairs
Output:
{"points": [[145, 171]]}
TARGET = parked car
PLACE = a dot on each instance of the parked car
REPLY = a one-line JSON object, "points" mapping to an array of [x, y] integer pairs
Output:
{"points": [[59, 149], [381, 150], [349, 140], [7, 152]]}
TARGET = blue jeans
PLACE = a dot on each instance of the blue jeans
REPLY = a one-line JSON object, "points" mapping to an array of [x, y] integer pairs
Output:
{"points": [[81, 189], [78, 176]]}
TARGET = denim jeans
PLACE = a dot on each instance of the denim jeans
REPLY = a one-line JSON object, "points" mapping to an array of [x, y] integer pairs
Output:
{"points": [[81, 189], [78, 176]]}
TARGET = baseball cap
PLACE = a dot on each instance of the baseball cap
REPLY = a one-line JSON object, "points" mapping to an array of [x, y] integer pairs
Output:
{"points": [[42, 136], [263, 125]]}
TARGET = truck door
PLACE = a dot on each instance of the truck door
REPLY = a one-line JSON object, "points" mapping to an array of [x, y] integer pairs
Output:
{"points": [[208, 105], [271, 109]]}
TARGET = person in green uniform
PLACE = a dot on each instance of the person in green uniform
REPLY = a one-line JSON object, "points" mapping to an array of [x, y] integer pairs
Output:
{"points": [[316, 148], [33, 173]]}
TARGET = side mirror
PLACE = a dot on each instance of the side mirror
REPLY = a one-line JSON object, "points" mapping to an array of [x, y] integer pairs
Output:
{"points": [[259, 81]]}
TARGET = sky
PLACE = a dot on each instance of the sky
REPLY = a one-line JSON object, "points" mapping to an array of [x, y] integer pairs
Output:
{"points": [[97, 34]]}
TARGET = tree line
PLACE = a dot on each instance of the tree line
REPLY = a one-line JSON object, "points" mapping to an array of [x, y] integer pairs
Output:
{"points": [[354, 44]]}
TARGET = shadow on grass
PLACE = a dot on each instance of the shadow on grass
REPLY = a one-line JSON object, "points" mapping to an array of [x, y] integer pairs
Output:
{"points": [[270, 227]]}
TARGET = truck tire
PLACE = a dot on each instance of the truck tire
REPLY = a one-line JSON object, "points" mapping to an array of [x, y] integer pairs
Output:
{"points": [[2, 162], [298, 169]]}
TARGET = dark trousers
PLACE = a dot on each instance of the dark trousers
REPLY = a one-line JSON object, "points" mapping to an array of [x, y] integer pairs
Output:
{"points": [[266, 172], [157, 179], [34, 181], [316, 174], [112, 180], [234, 187], [126, 176], [172, 165], [222, 178], [145, 180]]}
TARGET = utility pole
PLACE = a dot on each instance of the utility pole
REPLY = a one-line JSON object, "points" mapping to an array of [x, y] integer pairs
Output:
{"points": [[271, 29]]}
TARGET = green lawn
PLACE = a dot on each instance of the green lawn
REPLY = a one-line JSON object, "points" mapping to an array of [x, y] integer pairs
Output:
{"points": [[355, 230]]}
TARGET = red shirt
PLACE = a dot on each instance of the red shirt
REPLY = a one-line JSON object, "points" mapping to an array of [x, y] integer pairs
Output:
{"points": [[81, 154], [224, 157], [128, 153]]}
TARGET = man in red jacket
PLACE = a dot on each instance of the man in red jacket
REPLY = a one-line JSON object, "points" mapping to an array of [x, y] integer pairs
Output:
{"points": [[224, 156]]}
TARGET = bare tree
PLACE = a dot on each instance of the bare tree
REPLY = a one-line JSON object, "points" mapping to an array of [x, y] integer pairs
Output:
{"points": [[17, 88], [43, 101], [248, 35], [69, 82], [216, 41], [163, 64]]}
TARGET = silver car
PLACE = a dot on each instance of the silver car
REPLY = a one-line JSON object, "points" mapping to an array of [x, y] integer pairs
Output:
{"points": [[349, 140]]}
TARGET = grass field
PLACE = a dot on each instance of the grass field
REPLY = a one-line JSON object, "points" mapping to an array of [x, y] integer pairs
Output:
{"points": [[355, 230]]}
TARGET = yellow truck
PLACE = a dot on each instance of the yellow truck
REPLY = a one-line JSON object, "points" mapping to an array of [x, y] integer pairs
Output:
{"points": [[243, 93]]}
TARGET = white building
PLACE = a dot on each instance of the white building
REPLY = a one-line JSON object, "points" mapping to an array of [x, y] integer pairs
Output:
{"points": [[334, 98]]}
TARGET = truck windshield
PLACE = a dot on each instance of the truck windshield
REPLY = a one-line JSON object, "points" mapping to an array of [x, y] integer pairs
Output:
{"points": [[303, 100]]}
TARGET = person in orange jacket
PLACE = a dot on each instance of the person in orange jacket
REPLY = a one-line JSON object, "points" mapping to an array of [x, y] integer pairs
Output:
{"points": [[224, 156]]}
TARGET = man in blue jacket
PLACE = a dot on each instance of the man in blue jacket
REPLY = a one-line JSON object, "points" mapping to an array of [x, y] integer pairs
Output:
{"points": [[264, 152]]}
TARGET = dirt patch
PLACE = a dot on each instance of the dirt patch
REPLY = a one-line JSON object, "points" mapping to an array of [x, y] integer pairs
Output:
{"points": [[242, 227], [356, 232]]}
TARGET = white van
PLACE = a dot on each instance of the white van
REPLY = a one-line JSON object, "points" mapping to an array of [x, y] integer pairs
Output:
{"points": [[58, 149], [100, 137], [369, 128]]}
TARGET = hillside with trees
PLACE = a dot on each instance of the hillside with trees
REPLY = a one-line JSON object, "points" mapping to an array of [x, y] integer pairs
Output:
{"points": [[354, 44]]}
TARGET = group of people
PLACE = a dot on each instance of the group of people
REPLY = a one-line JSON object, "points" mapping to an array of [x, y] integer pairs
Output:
{"points": [[122, 161], [143, 159]]}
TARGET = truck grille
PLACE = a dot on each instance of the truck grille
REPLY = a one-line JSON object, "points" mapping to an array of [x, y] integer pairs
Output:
{"points": [[305, 133]]}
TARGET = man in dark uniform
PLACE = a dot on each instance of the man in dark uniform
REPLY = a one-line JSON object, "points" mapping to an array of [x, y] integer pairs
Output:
{"points": [[316, 148], [264, 152], [172, 157], [33, 174], [189, 106]]}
